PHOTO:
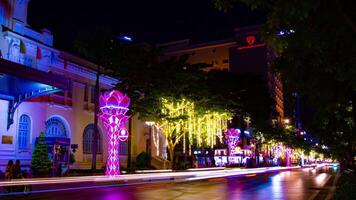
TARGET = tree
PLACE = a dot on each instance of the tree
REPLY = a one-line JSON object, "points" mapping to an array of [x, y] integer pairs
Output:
{"points": [[40, 163], [316, 41], [183, 120], [148, 82]]}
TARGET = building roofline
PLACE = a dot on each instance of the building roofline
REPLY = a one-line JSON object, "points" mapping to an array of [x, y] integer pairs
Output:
{"points": [[248, 29], [206, 45], [77, 60], [176, 42]]}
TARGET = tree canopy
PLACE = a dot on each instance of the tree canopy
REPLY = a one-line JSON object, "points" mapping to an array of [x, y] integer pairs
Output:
{"points": [[316, 44]]}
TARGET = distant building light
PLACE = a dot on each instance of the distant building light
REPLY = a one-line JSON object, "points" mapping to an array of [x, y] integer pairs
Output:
{"points": [[292, 31], [125, 38], [281, 32]]}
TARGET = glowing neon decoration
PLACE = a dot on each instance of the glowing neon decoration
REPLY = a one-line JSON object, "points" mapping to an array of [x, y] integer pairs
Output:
{"points": [[232, 137], [113, 107]]}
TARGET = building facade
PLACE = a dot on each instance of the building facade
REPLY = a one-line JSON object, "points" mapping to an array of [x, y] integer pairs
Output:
{"points": [[242, 54], [65, 117]]}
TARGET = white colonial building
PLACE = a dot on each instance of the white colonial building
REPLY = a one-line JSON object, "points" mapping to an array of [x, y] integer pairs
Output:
{"points": [[66, 116]]}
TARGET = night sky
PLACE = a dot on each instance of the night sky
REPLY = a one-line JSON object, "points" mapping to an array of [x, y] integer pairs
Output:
{"points": [[147, 21]]}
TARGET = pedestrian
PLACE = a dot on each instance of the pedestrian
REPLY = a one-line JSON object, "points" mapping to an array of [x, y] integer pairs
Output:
{"points": [[16, 171], [9, 168], [9, 174]]}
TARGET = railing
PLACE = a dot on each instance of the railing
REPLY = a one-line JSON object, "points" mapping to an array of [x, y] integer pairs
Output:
{"points": [[160, 163]]}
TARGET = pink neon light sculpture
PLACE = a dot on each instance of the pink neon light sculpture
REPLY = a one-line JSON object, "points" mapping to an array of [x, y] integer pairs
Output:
{"points": [[113, 107], [232, 138]]}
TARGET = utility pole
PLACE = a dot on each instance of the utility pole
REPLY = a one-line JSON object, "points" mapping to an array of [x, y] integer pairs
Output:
{"points": [[129, 142], [96, 113]]}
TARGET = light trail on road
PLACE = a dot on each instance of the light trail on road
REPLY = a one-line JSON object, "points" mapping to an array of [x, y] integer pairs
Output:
{"points": [[187, 176]]}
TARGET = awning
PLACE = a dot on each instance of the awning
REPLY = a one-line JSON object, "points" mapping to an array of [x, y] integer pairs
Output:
{"points": [[19, 83], [55, 141]]}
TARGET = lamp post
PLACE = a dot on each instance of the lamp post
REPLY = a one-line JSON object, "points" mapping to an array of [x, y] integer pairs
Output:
{"points": [[113, 107]]}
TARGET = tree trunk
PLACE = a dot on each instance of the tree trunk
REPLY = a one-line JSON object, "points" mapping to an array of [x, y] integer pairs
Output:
{"points": [[129, 146], [171, 155]]}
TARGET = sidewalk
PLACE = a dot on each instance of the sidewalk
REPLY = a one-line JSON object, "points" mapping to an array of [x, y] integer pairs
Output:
{"points": [[86, 182]]}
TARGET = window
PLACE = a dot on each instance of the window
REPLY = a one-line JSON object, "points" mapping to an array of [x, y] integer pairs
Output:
{"points": [[123, 148], [88, 138], [86, 93], [55, 128], [24, 131]]}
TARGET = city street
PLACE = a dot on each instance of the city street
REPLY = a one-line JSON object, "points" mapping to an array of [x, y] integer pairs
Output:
{"points": [[307, 183], [177, 100]]}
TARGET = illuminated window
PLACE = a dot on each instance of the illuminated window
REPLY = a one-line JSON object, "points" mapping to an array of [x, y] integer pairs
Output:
{"points": [[88, 138], [55, 128], [24, 131]]}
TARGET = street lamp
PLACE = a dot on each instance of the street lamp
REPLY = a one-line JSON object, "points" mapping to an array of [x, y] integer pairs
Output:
{"points": [[286, 121]]}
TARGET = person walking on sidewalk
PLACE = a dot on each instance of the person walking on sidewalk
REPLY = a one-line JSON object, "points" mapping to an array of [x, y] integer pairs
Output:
{"points": [[9, 174]]}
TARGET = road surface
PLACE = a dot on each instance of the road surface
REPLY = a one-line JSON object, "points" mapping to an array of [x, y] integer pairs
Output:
{"points": [[295, 184]]}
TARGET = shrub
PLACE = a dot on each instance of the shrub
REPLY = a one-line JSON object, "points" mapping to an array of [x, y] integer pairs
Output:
{"points": [[40, 163], [142, 160]]}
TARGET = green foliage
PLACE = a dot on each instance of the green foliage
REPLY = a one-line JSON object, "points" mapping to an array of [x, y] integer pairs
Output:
{"points": [[346, 187], [40, 163], [143, 160], [71, 158], [318, 61]]}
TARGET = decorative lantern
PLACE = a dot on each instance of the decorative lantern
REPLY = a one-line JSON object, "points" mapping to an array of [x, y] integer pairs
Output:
{"points": [[124, 134], [232, 137], [114, 106]]}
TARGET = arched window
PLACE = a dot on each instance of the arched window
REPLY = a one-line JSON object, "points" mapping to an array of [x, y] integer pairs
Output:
{"points": [[88, 137], [24, 131], [55, 128]]}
